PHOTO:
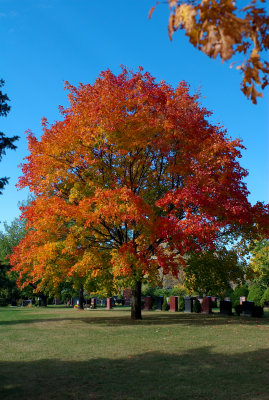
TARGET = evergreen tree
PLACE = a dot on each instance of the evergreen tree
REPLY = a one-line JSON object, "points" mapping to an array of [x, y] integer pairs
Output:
{"points": [[5, 142]]}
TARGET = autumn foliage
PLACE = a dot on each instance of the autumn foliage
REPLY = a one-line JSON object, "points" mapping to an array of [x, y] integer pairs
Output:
{"points": [[132, 178], [227, 29]]}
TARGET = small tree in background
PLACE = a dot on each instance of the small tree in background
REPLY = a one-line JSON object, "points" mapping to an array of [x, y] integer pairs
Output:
{"points": [[265, 298], [255, 294], [9, 238], [211, 272], [259, 262]]}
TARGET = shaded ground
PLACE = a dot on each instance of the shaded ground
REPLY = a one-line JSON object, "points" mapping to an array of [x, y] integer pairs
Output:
{"points": [[52, 354], [196, 374]]}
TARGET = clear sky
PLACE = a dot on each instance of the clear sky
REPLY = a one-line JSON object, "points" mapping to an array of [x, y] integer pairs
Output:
{"points": [[46, 42]]}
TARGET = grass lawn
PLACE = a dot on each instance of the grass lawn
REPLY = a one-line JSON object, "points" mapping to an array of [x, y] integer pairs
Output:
{"points": [[58, 353]]}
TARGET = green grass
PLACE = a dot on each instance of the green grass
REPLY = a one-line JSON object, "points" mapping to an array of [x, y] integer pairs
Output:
{"points": [[58, 353]]}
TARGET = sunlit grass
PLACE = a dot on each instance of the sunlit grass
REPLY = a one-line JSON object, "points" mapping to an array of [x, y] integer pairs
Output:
{"points": [[61, 353]]}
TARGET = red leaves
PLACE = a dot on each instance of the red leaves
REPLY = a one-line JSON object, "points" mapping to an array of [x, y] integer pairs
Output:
{"points": [[132, 179]]}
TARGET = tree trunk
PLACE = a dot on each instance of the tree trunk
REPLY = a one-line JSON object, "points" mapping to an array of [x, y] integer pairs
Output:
{"points": [[136, 301], [81, 298]]}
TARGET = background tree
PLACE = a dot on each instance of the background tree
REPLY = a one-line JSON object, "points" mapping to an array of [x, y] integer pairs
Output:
{"points": [[10, 238], [212, 272], [259, 261], [265, 298], [227, 28], [256, 294], [5, 142], [131, 180]]}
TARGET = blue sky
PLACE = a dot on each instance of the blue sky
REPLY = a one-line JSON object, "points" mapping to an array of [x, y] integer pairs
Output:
{"points": [[46, 42]]}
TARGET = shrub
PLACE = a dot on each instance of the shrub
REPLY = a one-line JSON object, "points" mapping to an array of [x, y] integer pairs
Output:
{"points": [[147, 290], [160, 292], [165, 306], [238, 292], [197, 306], [181, 305], [255, 294], [178, 290], [265, 297]]}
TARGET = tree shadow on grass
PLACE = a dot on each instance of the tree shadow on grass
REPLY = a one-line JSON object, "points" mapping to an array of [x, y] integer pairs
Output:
{"points": [[149, 318], [198, 374]]}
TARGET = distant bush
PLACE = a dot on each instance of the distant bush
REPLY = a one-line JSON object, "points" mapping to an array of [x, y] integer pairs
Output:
{"points": [[161, 292], [165, 306], [238, 292], [197, 306], [181, 306], [147, 290], [265, 297], [255, 294], [178, 290], [155, 291]]}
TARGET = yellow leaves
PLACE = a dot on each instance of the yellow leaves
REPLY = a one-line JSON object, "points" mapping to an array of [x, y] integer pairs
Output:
{"points": [[183, 17], [219, 28], [74, 195], [255, 54], [135, 166], [172, 4], [92, 263]]}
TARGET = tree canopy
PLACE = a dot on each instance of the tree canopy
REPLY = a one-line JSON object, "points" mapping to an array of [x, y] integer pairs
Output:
{"points": [[11, 237], [130, 180], [227, 28], [259, 261], [212, 272]]}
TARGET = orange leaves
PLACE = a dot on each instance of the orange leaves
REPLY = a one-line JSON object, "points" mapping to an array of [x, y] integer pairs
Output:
{"points": [[152, 9], [221, 28], [128, 262], [184, 16], [133, 178], [116, 205]]}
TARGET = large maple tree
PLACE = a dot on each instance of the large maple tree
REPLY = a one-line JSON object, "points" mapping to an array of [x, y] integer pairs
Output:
{"points": [[131, 179]]}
